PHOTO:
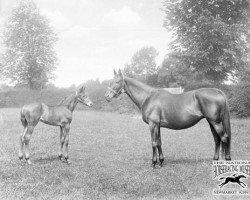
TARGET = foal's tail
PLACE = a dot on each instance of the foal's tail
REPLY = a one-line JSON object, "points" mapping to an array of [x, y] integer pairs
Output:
{"points": [[226, 137], [23, 118]]}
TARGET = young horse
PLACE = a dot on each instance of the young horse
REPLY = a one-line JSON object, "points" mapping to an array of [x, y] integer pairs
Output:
{"points": [[160, 108], [60, 115]]}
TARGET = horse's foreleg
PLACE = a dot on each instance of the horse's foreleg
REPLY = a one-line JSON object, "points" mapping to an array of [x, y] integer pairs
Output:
{"points": [[156, 143], [20, 155], [239, 183], [62, 139], [217, 142], [67, 127], [244, 185], [26, 139]]}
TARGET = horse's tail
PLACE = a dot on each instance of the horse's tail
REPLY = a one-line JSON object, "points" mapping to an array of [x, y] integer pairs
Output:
{"points": [[23, 118], [226, 137]]}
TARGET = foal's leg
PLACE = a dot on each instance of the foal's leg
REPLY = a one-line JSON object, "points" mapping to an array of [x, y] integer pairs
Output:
{"points": [[26, 139], [67, 127], [22, 143], [217, 142], [62, 139]]}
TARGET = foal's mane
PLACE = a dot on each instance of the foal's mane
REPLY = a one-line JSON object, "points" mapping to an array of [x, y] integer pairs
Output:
{"points": [[66, 100]]}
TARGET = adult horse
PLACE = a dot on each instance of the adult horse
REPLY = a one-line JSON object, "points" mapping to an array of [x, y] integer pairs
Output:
{"points": [[60, 115], [160, 108]]}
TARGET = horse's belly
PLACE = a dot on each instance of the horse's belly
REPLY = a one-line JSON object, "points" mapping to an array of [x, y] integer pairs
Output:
{"points": [[181, 122], [49, 122]]}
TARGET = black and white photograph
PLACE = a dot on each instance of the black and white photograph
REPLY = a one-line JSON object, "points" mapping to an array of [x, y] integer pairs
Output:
{"points": [[124, 99]]}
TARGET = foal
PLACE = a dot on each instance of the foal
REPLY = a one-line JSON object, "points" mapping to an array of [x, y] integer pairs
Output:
{"points": [[60, 115]]}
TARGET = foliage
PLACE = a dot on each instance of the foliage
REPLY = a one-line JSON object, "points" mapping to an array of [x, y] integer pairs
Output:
{"points": [[211, 35], [29, 58], [143, 66], [174, 72], [238, 96], [240, 100]]}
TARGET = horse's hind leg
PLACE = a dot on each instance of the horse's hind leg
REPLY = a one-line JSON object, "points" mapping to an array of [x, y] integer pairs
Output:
{"points": [[62, 139], [161, 157], [26, 139], [25, 124], [217, 142], [224, 137], [156, 143], [20, 155]]}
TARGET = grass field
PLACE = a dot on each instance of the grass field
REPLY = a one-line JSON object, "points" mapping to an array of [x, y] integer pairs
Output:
{"points": [[111, 157]]}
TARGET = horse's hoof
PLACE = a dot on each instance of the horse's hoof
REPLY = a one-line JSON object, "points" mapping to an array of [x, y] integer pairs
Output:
{"points": [[20, 157], [228, 158], [28, 161], [154, 163], [161, 162], [69, 162], [216, 158]]}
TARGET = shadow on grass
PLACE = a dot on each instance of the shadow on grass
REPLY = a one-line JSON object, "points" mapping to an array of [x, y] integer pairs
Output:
{"points": [[179, 161], [187, 161], [45, 160]]}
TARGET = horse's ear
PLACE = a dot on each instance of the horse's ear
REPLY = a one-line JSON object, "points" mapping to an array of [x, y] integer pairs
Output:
{"points": [[120, 73], [115, 73], [81, 89]]}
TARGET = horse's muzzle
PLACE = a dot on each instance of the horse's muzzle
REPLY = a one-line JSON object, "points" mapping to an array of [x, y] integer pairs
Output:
{"points": [[108, 96]]}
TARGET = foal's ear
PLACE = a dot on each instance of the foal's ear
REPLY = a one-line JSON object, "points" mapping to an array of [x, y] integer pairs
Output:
{"points": [[115, 73], [81, 89], [120, 73]]}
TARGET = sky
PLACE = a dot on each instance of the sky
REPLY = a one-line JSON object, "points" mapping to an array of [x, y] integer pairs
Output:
{"points": [[97, 36]]}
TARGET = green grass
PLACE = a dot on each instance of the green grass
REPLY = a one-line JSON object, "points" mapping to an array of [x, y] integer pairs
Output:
{"points": [[111, 157]]}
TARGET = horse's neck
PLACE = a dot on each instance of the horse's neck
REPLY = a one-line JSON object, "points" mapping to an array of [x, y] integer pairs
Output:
{"points": [[72, 103], [137, 91]]}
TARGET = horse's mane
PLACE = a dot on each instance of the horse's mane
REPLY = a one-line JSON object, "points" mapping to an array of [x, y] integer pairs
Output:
{"points": [[66, 100], [137, 82]]}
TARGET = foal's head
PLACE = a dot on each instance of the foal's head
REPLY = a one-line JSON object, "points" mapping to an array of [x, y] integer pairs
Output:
{"points": [[82, 96], [116, 86]]}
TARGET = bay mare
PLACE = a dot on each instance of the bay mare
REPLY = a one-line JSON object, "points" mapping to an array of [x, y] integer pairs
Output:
{"points": [[160, 108], [60, 115]]}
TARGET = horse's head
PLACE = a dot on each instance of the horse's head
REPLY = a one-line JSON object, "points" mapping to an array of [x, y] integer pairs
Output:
{"points": [[82, 96], [116, 86], [242, 176]]}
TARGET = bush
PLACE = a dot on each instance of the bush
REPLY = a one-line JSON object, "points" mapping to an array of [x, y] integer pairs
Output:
{"points": [[238, 97], [240, 101]]}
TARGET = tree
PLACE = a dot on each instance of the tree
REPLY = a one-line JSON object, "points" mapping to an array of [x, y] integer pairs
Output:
{"points": [[173, 72], [212, 35], [29, 58], [143, 65]]}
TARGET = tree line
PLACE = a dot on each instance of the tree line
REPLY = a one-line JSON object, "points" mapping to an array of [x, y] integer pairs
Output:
{"points": [[210, 48]]}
